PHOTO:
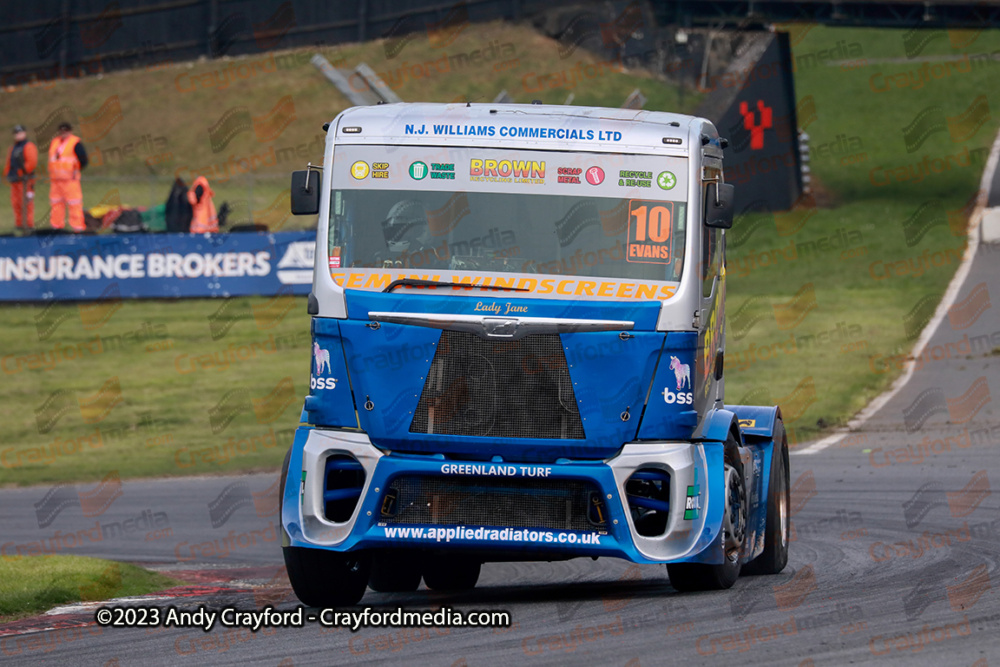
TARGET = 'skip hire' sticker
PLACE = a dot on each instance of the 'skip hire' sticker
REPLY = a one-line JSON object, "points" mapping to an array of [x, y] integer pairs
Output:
{"points": [[650, 231]]}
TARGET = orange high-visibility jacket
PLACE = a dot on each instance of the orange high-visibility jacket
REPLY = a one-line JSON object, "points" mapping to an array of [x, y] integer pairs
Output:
{"points": [[203, 215], [63, 163]]}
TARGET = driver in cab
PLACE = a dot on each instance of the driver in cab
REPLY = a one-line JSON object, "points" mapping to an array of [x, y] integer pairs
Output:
{"points": [[408, 239]]}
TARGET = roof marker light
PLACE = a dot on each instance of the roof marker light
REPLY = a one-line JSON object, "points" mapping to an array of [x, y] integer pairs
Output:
{"points": [[671, 140], [351, 130]]}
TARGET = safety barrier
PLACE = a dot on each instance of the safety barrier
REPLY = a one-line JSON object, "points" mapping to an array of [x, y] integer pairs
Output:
{"points": [[149, 266]]}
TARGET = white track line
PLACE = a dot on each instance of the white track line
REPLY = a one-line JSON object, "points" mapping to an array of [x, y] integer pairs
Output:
{"points": [[942, 310], [89, 607]]}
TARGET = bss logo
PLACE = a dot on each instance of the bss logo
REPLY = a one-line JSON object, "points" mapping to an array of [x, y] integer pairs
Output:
{"points": [[680, 398], [322, 383]]}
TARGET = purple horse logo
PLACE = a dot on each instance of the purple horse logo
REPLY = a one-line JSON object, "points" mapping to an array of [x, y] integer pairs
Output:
{"points": [[322, 358], [681, 371]]}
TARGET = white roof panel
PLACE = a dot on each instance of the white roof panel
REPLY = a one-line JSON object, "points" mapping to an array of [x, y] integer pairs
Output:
{"points": [[536, 126]]}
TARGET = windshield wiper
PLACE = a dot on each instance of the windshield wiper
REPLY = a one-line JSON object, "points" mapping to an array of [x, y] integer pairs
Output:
{"points": [[417, 282]]}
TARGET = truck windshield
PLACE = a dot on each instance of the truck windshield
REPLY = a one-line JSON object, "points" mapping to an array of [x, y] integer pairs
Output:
{"points": [[521, 212]]}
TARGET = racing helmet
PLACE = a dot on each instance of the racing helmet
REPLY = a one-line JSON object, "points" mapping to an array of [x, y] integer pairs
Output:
{"points": [[405, 225]]}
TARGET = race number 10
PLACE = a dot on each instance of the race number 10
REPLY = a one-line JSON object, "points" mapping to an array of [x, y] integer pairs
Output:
{"points": [[649, 231]]}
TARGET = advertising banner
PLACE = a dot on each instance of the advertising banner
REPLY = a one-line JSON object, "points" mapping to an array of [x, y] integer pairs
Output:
{"points": [[151, 266]]}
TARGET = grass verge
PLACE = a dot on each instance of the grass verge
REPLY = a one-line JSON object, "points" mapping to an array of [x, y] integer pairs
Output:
{"points": [[150, 388], [33, 584]]}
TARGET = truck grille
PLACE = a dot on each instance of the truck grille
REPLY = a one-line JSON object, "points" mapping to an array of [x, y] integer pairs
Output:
{"points": [[498, 389], [503, 503]]}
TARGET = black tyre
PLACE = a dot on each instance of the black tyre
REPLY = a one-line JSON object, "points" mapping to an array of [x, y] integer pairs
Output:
{"points": [[322, 578], [686, 577], [450, 573], [775, 555], [395, 572]]}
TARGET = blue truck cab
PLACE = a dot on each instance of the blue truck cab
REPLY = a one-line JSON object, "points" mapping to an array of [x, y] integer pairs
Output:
{"points": [[518, 354]]}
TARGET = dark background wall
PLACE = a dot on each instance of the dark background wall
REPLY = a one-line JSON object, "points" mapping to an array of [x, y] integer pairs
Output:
{"points": [[48, 39]]}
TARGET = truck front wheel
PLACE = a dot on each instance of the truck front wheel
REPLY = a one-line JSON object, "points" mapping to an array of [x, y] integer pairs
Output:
{"points": [[450, 573], [395, 572], [322, 578], [687, 577]]}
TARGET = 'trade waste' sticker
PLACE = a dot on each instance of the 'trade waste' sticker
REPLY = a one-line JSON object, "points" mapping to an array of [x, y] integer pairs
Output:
{"points": [[418, 170]]}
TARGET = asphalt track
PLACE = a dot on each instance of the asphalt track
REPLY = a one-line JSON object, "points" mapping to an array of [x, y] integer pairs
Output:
{"points": [[894, 558]]}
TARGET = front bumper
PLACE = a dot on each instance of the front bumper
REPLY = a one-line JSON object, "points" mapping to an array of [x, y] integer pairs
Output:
{"points": [[688, 464]]}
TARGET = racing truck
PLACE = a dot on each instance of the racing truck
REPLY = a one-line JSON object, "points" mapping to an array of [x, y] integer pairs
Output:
{"points": [[518, 354]]}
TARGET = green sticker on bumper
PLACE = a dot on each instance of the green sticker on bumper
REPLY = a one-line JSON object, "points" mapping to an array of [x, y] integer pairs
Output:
{"points": [[692, 503]]}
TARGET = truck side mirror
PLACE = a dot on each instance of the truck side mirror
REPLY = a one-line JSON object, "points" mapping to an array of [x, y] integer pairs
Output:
{"points": [[719, 205], [305, 192]]}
